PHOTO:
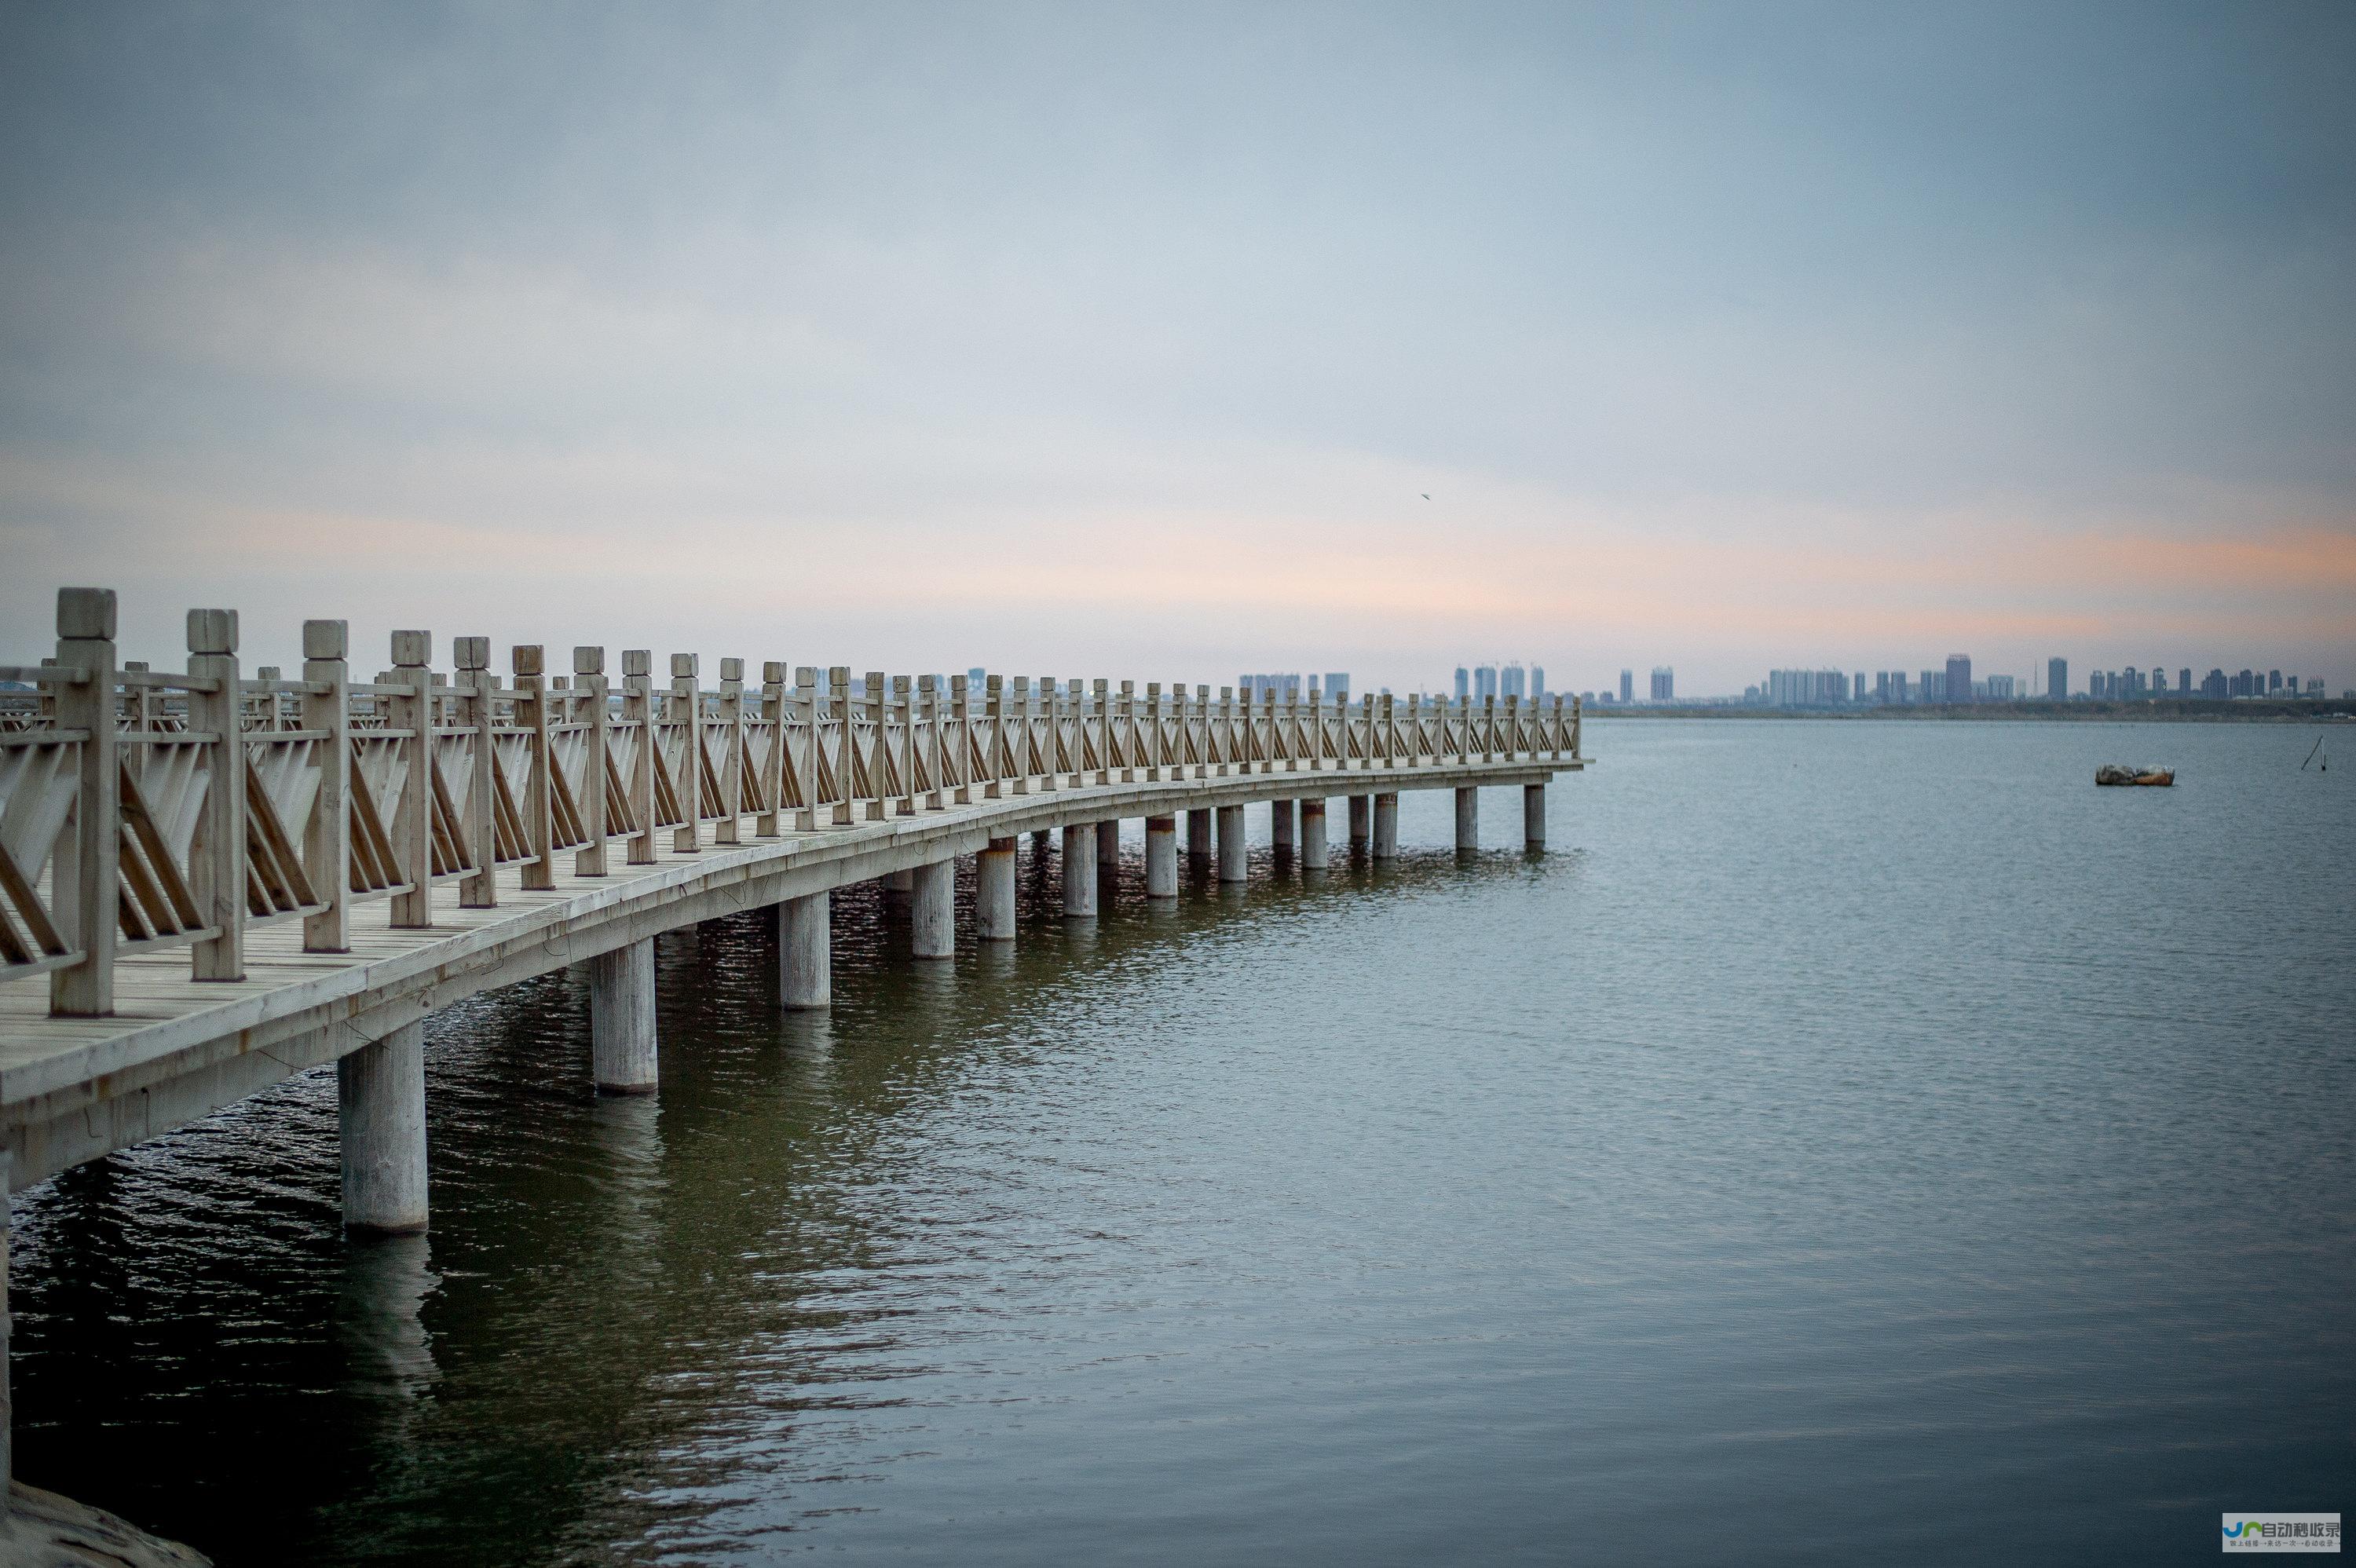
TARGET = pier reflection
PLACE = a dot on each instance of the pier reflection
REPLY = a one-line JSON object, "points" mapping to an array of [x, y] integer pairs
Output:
{"points": [[539, 1375]]}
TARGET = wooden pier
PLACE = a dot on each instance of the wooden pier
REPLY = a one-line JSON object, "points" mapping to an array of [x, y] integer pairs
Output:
{"points": [[211, 880]]}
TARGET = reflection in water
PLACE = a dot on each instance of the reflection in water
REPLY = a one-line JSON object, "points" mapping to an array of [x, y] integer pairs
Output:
{"points": [[381, 1323], [1430, 1211]]}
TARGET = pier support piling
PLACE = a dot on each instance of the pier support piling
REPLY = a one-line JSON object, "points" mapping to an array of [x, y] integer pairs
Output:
{"points": [[1468, 820], [380, 1120], [1162, 856], [804, 958], [933, 916], [1534, 819], [622, 1052], [1109, 843], [1280, 828], [993, 891], [1362, 820], [1312, 833], [1198, 834], [1080, 870], [1231, 860], [1386, 826]]}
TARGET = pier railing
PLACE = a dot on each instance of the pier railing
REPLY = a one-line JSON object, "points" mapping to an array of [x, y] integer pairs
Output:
{"points": [[141, 810]]}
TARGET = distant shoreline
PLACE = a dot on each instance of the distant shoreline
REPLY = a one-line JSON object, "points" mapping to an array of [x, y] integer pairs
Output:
{"points": [[2092, 711]]}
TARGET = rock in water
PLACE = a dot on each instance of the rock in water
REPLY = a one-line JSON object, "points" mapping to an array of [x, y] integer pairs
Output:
{"points": [[2112, 773], [45, 1531]]}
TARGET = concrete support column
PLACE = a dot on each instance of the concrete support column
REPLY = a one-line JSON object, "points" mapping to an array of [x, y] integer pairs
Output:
{"points": [[1162, 856], [1198, 834], [1534, 818], [805, 952], [1279, 825], [622, 1019], [933, 917], [381, 1116], [993, 891], [1312, 833], [1232, 862], [1468, 819], [1080, 870], [899, 887], [1109, 843], [1386, 826], [1362, 822]]}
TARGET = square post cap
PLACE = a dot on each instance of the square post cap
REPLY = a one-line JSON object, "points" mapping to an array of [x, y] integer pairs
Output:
{"points": [[806, 675], [994, 683], [874, 680], [900, 686], [525, 659], [471, 653], [212, 631], [682, 667], [413, 650], [731, 669], [839, 675], [773, 672], [326, 639], [637, 661], [927, 682], [588, 661], [85, 614]]}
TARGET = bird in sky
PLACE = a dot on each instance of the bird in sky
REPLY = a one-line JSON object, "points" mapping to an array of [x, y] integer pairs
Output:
{"points": [[1426, 497]]}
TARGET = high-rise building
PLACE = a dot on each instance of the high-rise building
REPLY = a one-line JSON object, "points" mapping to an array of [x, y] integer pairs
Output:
{"points": [[1934, 686], [1538, 683], [2184, 681], [1627, 685], [1485, 682], [1856, 691], [2273, 681], [1959, 677], [1513, 681], [1337, 685], [1664, 684], [1999, 688], [2057, 679], [1463, 683], [2214, 684]]}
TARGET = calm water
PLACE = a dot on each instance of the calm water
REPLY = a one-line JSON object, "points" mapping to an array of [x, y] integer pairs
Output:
{"points": [[1854, 1138]]}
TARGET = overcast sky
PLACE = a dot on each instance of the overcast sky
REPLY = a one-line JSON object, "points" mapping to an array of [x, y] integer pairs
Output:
{"points": [[1087, 340]]}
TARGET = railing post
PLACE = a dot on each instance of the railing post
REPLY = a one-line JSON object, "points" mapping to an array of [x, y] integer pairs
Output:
{"points": [[1016, 736], [470, 658], [589, 676], [687, 710], [1050, 753], [411, 828], [328, 838], [1104, 731], [1077, 758], [879, 755], [217, 860], [537, 805], [639, 710], [86, 882], [962, 739], [732, 751], [807, 693], [1576, 714], [846, 744], [903, 703], [770, 787], [993, 712]]}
